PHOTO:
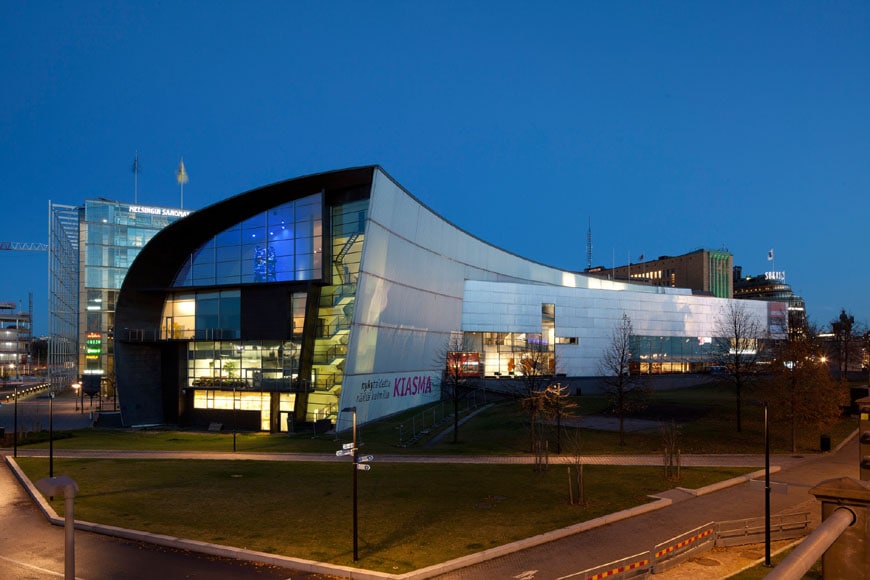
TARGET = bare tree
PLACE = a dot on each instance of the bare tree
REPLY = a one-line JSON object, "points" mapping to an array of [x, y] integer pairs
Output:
{"points": [[846, 341], [671, 453], [627, 392], [558, 406], [576, 491], [801, 391], [740, 345], [534, 369], [461, 367]]}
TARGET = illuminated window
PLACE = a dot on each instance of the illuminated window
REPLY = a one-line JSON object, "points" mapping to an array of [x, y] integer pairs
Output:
{"points": [[282, 244]]}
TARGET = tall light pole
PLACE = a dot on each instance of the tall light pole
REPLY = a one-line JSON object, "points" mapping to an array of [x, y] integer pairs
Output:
{"points": [[234, 416], [766, 489], [50, 435], [15, 424]]}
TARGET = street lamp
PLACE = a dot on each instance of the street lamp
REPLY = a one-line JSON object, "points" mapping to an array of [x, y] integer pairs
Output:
{"points": [[50, 435], [234, 416], [76, 387], [15, 424]]}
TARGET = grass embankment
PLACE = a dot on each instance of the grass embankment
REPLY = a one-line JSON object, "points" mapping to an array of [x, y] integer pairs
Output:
{"points": [[411, 515], [705, 417]]}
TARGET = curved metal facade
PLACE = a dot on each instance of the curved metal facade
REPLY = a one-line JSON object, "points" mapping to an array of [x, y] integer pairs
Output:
{"points": [[397, 281]]}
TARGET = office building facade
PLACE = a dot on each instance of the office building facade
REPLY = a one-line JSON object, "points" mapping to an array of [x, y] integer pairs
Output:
{"points": [[15, 339], [703, 271], [91, 246]]}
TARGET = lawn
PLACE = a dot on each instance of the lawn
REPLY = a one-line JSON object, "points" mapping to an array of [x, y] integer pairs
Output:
{"points": [[704, 416], [410, 515]]}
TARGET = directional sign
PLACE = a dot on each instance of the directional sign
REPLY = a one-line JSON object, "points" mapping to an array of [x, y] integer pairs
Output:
{"points": [[366, 457], [363, 466], [347, 445], [342, 452]]}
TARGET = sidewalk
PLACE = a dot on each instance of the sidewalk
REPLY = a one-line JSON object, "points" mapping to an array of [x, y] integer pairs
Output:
{"points": [[613, 541]]}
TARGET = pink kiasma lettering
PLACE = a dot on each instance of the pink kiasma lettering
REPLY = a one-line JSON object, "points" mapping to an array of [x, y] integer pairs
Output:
{"points": [[409, 386]]}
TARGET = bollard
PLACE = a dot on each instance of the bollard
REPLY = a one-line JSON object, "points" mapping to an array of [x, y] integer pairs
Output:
{"points": [[52, 486]]}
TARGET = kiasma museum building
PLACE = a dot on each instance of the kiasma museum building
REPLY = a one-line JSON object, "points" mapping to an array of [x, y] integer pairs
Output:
{"points": [[286, 304]]}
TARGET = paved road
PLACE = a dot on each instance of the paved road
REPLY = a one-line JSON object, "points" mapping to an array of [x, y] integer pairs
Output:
{"points": [[563, 558]]}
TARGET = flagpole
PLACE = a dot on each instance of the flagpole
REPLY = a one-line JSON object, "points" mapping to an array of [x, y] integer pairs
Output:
{"points": [[181, 176]]}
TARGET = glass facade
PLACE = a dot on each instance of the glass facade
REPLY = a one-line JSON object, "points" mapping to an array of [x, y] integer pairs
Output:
{"points": [[111, 235], [283, 244], [335, 311], [652, 355], [63, 292], [509, 354]]}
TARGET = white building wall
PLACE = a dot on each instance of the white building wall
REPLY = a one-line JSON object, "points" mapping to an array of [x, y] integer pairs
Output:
{"points": [[591, 315], [422, 278]]}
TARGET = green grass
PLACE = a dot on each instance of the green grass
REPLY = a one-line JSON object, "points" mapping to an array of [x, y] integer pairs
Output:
{"points": [[410, 515], [705, 416], [760, 571]]}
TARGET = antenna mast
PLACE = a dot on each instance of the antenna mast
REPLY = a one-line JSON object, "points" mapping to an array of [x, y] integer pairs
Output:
{"points": [[589, 246], [136, 178]]}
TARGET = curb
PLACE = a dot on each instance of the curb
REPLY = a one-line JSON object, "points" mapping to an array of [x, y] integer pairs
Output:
{"points": [[727, 483]]}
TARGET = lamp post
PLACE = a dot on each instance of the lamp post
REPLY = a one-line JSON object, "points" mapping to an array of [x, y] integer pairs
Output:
{"points": [[15, 424], [234, 417], [766, 488], [50, 434]]}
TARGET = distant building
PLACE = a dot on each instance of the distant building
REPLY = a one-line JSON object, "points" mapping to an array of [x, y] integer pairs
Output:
{"points": [[705, 272], [90, 249], [772, 287], [15, 338]]}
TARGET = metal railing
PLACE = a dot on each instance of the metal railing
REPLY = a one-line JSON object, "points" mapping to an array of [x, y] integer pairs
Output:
{"points": [[752, 530], [796, 564]]}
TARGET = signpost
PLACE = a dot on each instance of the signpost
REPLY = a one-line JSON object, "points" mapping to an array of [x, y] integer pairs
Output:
{"points": [[359, 464]]}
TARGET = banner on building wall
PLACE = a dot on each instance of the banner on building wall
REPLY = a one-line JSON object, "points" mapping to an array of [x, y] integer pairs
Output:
{"points": [[380, 394], [777, 320]]}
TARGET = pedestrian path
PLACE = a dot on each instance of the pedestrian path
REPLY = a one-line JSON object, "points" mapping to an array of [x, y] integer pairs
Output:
{"points": [[716, 460]]}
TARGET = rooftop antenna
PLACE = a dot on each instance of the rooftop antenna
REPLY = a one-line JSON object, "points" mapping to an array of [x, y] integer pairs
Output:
{"points": [[181, 176], [136, 178], [589, 246]]}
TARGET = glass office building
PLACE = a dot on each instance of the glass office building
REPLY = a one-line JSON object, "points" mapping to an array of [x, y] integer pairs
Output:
{"points": [[91, 247]]}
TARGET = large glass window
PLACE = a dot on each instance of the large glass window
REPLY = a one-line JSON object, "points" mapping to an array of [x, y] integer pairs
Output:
{"points": [[282, 244], [202, 316], [257, 365], [672, 354]]}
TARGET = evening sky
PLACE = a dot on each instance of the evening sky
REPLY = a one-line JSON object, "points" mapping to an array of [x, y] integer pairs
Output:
{"points": [[666, 126]]}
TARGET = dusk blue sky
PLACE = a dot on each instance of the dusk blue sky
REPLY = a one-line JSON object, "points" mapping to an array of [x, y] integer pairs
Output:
{"points": [[670, 126]]}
